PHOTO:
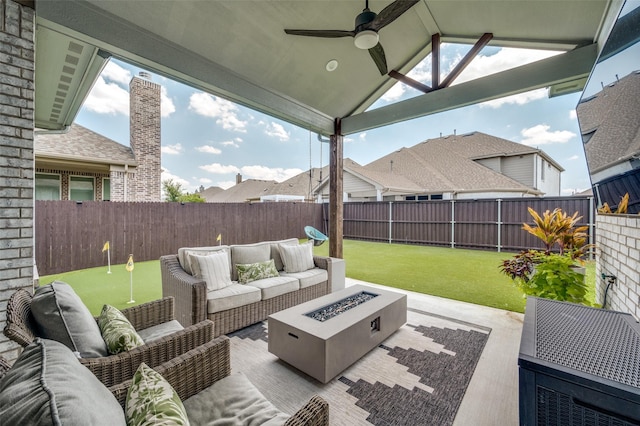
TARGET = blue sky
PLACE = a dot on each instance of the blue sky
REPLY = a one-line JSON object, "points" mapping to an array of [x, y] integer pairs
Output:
{"points": [[207, 140]]}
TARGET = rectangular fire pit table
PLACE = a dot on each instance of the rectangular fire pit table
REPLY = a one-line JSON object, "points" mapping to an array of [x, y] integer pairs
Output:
{"points": [[326, 335]]}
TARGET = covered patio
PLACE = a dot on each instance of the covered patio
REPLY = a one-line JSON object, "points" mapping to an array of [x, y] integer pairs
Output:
{"points": [[239, 50]]}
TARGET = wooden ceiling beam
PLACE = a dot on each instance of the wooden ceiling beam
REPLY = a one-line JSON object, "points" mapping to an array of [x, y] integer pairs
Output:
{"points": [[484, 40], [435, 60], [410, 82]]}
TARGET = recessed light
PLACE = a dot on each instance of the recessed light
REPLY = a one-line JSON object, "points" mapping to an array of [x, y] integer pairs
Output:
{"points": [[332, 65]]}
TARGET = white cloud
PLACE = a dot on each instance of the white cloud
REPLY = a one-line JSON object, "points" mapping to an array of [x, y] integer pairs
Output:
{"points": [[573, 158], [233, 143], [278, 131], [572, 114], [540, 135], [266, 173], [506, 58], [226, 184], [363, 136], [519, 99], [205, 180], [107, 98], [166, 103], [217, 168], [116, 73], [225, 112], [177, 179], [171, 149], [208, 149], [395, 93]]}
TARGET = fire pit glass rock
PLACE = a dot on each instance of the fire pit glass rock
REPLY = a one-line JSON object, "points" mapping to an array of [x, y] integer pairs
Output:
{"points": [[342, 305]]}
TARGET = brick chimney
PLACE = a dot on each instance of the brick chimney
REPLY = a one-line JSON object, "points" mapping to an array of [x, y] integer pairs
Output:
{"points": [[238, 178], [144, 130]]}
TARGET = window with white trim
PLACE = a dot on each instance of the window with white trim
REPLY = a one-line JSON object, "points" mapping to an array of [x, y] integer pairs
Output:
{"points": [[47, 186], [81, 188]]}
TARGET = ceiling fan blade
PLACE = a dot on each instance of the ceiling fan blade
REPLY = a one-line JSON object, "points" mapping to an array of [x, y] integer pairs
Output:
{"points": [[378, 56], [391, 13], [321, 33]]}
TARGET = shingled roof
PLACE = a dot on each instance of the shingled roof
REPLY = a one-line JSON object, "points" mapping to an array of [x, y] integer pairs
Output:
{"points": [[301, 184], [447, 164], [244, 191], [610, 123], [83, 145]]}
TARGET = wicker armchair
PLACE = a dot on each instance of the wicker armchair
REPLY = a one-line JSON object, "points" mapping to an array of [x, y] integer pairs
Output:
{"points": [[113, 369], [199, 368]]}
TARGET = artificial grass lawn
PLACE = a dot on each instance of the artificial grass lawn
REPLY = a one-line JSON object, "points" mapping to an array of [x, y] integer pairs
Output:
{"points": [[96, 288], [467, 275]]}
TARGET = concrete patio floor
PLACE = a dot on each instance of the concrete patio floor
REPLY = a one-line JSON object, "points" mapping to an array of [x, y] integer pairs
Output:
{"points": [[492, 395]]}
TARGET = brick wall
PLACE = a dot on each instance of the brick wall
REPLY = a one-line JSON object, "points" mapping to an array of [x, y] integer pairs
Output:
{"points": [[618, 248], [145, 140], [16, 156]]}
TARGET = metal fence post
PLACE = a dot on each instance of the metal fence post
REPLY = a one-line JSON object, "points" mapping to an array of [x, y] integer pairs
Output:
{"points": [[453, 223], [499, 223], [390, 220]]}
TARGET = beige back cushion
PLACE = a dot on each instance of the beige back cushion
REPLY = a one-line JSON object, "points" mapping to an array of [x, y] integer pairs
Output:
{"points": [[275, 251], [184, 252], [212, 268], [248, 253]]}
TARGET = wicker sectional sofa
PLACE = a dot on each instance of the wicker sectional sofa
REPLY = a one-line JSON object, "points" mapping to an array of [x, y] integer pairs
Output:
{"points": [[239, 305]]}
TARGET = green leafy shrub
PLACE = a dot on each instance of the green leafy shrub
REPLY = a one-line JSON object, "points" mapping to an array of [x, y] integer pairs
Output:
{"points": [[548, 274]]}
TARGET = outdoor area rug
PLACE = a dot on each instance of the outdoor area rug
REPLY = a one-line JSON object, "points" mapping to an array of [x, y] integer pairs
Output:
{"points": [[419, 375]]}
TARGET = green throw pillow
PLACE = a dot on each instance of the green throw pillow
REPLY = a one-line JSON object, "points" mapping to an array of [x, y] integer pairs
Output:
{"points": [[117, 331], [256, 271], [151, 400]]}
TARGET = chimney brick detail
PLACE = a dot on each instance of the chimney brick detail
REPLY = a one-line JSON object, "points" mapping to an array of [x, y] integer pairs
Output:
{"points": [[145, 139]]}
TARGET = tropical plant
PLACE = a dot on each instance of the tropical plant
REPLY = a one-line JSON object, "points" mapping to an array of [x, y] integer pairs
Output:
{"points": [[549, 274], [620, 209]]}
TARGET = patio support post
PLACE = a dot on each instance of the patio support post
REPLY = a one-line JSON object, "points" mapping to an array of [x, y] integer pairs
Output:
{"points": [[336, 207]]}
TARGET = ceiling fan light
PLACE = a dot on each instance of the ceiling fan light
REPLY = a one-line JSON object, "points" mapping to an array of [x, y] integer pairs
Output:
{"points": [[366, 39]]}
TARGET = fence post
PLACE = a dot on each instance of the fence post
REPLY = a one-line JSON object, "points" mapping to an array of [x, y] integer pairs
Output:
{"points": [[499, 223], [390, 221], [453, 223]]}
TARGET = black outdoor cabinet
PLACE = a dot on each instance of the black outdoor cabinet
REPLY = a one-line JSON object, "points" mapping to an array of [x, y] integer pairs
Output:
{"points": [[578, 366]]}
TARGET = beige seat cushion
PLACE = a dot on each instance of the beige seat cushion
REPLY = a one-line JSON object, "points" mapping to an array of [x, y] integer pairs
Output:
{"points": [[231, 297], [158, 331], [272, 287], [308, 278], [232, 400]]}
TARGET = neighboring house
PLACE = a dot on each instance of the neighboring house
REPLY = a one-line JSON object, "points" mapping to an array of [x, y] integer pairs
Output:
{"points": [[297, 188], [242, 191], [82, 165], [610, 125], [474, 165]]}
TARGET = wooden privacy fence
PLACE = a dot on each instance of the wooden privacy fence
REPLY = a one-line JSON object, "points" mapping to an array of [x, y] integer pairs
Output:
{"points": [[490, 224], [70, 235]]}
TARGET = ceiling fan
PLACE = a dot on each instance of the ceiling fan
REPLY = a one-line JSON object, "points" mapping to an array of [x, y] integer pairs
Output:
{"points": [[365, 34]]}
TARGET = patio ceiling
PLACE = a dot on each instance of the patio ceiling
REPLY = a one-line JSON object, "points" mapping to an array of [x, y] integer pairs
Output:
{"points": [[238, 50]]}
